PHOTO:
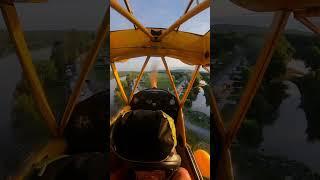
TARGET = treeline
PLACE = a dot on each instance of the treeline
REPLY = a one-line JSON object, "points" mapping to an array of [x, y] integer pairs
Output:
{"points": [[164, 83], [308, 50], [42, 39]]}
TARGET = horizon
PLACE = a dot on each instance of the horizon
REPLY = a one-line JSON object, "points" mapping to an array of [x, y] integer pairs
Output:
{"points": [[244, 25]]}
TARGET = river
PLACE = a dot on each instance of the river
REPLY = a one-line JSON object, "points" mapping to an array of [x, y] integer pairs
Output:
{"points": [[287, 136], [200, 103], [10, 75]]}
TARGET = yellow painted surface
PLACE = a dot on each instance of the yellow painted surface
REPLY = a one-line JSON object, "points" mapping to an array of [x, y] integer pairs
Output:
{"points": [[54, 148], [12, 21], [171, 79], [277, 27], [203, 161], [86, 67], [121, 112], [117, 78], [186, 93], [190, 48], [138, 78]]}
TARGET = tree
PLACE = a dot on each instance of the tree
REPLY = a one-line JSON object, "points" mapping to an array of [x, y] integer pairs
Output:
{"points": [[284, 50], [250, 133], [309, 86], [206, 91], [117, 94], [47, 71], [281, 56], [24, 104], [313, 59], [57, 55], [252, 47], [71, 46], [130, 82], [27, 119]]}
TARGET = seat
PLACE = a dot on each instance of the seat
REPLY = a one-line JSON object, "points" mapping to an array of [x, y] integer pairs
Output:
{"points": [[87, 129]]}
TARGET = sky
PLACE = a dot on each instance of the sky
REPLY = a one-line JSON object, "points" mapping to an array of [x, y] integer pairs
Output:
{"points": [[61, 14], [225, 12]]}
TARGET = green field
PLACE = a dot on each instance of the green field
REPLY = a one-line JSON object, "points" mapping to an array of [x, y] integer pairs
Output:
{"points": [[163, 81]]}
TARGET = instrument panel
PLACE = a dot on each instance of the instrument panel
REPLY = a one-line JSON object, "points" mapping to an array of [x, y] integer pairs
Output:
{"points": [[156, 99]]}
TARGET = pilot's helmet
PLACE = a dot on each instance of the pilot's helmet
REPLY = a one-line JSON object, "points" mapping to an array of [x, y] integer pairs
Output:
{"points": [[144, 136]]}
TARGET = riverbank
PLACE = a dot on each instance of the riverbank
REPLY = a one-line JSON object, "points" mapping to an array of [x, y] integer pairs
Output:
{"points": [[287, 136]]}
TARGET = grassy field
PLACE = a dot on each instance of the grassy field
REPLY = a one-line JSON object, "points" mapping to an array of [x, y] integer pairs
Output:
{"points": [[122, 73], [163, 80]]}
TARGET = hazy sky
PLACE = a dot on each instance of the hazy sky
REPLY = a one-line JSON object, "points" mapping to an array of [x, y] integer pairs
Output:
{"points": [[225, 12], [61, 14]]}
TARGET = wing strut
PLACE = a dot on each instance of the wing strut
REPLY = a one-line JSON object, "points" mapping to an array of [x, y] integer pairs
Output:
{"points": [[305, 21], [185, 11], [139, 78], [129, 8], [87, 64], [278, 26], [10, 16], [170, 78]]}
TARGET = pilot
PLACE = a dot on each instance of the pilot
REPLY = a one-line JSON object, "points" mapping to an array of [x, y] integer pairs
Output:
{"points": [[143, 143]]}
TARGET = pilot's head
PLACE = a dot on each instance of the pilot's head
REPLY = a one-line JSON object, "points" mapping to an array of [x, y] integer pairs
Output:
{"points": [[144, 135]]}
